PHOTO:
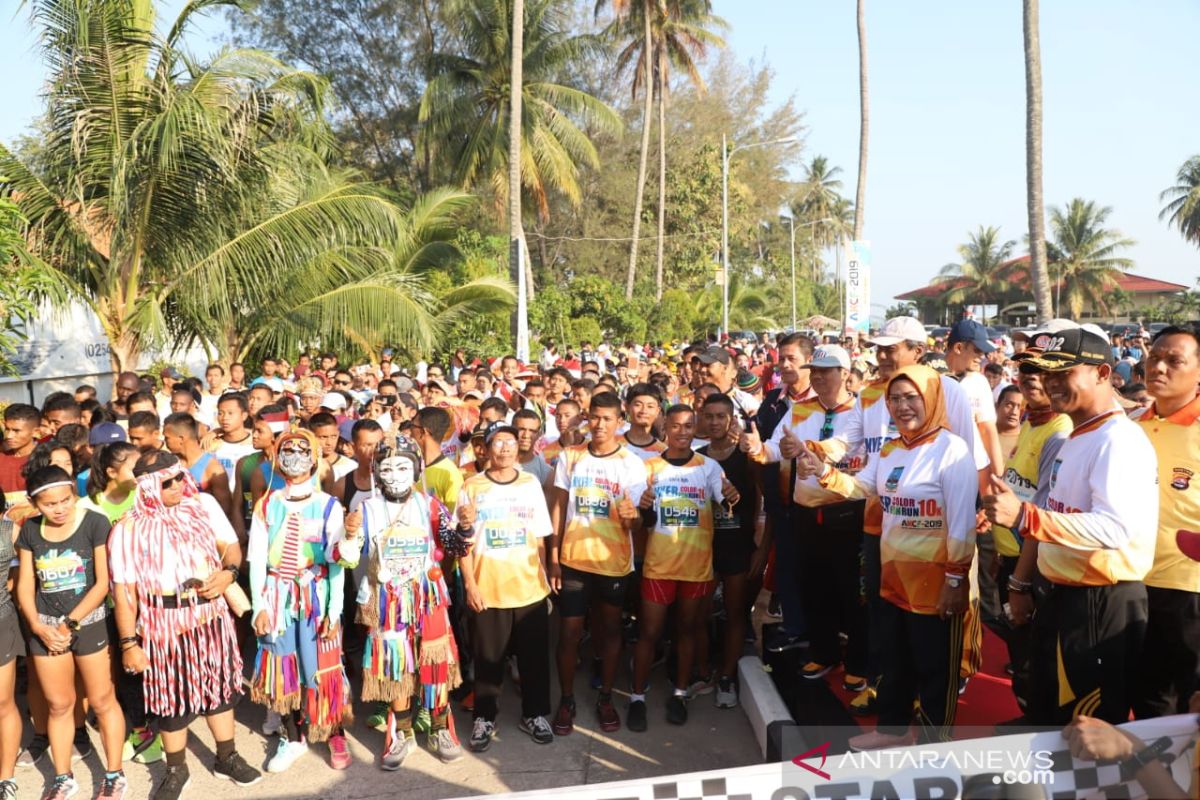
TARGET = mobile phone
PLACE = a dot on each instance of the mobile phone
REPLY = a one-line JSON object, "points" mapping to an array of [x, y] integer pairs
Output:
{"points": [[191, 584]]}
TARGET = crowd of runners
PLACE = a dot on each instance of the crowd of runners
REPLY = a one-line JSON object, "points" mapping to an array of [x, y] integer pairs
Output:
{"points": [[398, 538]]}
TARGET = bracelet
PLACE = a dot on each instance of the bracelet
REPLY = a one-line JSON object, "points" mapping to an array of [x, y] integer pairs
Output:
{"points": [[130, 647], [127, 639], [1018, 586], [235, 569]]}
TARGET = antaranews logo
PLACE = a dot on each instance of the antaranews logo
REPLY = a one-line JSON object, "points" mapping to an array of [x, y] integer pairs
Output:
{"points": [[823, 751]]}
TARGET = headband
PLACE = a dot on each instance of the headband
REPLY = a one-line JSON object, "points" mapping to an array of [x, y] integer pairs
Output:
{"points": [[52, 485]]}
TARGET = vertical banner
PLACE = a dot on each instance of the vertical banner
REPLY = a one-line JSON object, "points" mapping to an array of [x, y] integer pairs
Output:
{"points": [[858, 288]]}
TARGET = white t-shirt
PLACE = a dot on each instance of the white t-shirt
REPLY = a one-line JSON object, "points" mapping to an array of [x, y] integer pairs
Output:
{"points": [[979, 396], [170, 576], [228, 454]]}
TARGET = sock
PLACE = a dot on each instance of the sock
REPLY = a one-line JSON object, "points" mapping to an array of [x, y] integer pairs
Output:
{"points": [[177, 759], [404, 720], [440, 721], [637, 697], [225, 750], [67, 775], [114, 775]]}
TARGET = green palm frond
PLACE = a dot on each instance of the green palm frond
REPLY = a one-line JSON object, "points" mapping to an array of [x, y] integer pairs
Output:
{"points": [[1182, 209]]}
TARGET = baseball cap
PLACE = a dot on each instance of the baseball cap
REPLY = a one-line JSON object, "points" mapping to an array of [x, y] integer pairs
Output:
{"points": [[106, 433], [170, 372], [900, 329], [968, 330], [334, 401], [404, 383], [1051, 326], [713, 355], [495, 428], [1069, 348], [479, 431], [830, 355]]}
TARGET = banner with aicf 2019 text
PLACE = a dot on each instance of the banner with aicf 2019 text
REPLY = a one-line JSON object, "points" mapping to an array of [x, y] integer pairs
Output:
{"points": [[858, 288]]}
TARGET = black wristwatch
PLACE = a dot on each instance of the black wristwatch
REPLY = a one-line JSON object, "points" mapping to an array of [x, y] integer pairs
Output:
{"points": [[71, 623], [233, 568], [1149, 754]]}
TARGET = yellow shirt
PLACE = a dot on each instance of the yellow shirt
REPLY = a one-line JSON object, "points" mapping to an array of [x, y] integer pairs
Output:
{"points": [[595, 539], [443, 480], [509, 520], [1176, 441], [1036, 445], [680, 545]]}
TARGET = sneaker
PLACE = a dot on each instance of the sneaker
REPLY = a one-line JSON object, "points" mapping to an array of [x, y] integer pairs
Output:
{"points": [[773, 609], [538, 729], [400, 747], [564, 718], [782, 642], [339, 753], [853, 683], [677, 709], [875, 740], [864, 704], [702, 685], [727, 696], [635, 717], [173, 783], [60, 788], [442, 742], [237, 770], [606, 714], [286, 753], [112, 788], [8, 790], [33, 752], [151, 753], [142, 746], [83, 744], [812, 670], [273, 724], [482, 732]]}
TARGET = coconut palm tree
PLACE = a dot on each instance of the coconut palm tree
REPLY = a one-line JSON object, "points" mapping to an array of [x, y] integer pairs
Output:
{"points": [[1084, 256], [860, 194], [819, 198], [979, 276], [145, 154], [465, 108], [1033, 161], [1183, 201], [750, 307]]}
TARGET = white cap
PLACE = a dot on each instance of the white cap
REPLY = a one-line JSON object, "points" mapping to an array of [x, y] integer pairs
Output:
{"points": [[830, 355], [1052, 326], [334, 401], [900, 329]]}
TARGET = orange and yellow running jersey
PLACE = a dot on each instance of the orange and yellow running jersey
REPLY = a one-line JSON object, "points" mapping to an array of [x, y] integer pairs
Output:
{"points": [[679, 546]]}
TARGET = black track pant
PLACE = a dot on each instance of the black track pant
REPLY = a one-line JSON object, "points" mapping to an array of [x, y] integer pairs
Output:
{"points": [[921, 655], [527, 630], [830, 582], [1171, 660], [1087, 642]]}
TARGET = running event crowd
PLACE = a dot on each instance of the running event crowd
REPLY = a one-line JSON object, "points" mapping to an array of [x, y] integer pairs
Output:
{"points": [[400, 537]]}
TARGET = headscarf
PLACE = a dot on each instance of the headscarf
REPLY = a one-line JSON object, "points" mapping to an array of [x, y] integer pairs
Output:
{"points": [[929, 386]]}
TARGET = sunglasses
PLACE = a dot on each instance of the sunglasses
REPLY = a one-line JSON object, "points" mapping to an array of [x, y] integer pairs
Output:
{"points": [[169, 482], [296, 450], [341, 383]]}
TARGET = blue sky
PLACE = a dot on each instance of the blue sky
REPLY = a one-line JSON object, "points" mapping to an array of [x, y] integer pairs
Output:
{"points": [[947, 113]]}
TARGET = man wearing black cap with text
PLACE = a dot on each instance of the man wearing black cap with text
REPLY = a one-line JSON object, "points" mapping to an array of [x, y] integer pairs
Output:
{"points": [[718, 368], [1096, 533]]}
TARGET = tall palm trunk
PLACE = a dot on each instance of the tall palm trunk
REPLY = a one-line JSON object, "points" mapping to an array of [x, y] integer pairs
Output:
{"points": [[647, 109], [516, 236], [662, 170], [860, 195], [1033, 162]]}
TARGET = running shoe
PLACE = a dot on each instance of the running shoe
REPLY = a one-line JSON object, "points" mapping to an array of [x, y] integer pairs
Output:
{"points": [[702, 685], [61, 788], [812, 670], [112, 787], [606, 714], [399, 749], [677, 709], [339, 753], [482, 732], [33, 752], [142, 746], [237, 770], [864, 704], [173, 783], [727, 696], [538, 729], [286, 754], [853, 683], [442, 742], [8, 790], [564, 718], [635, 717], [782, 642]]}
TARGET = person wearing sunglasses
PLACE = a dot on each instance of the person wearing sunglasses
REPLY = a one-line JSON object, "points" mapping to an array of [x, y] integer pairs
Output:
{"points": [[298, 548], [829, 526]]}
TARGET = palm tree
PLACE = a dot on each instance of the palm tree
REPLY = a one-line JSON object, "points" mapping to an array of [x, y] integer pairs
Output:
{"points": [[1183, 208], [465, 108], [819, 198], [979, 276], [1084, 256], [1033, 161], [146, 152], [750, 307], [860, 194]]}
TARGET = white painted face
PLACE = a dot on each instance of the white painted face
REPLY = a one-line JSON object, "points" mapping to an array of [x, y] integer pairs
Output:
{"points": [[396, 477]]}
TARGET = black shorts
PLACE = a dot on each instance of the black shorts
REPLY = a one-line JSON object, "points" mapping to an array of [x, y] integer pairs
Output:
{"points": [[732, 551], [179, 723], [12, 642], [580, 589], [89, 639]]}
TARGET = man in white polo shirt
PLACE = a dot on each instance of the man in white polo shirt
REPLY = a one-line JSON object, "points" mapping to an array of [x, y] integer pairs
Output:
{"points": [[1095, 534]]}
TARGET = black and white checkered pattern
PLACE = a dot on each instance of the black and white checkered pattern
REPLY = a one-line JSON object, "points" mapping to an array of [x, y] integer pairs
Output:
{"points": [[1075, 779], [683, 789]]}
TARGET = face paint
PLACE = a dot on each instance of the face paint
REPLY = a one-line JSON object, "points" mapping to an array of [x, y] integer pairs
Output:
{"points": [[295, 462], [396, 477]]}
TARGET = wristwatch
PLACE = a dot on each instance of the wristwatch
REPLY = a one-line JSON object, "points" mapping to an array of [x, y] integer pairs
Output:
{"points": [[71, 623], [1151, 753], [234, 570], [954, 581]]}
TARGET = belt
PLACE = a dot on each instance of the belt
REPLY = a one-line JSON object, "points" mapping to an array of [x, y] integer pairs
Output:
{"points": [[184, 600]]}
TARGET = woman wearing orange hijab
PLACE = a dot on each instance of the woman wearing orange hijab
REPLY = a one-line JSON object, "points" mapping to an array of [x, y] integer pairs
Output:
{"points": [[926, 482]]}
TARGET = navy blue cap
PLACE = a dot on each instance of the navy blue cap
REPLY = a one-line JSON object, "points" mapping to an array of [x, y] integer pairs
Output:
{"points": [[968, 330], [106, 433]]}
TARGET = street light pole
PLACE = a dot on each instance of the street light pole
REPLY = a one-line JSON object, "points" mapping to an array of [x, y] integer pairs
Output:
{"points": [[727, 154], [792, 226]]}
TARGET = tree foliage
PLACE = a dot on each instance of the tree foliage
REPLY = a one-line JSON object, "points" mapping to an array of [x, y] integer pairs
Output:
{"points": [[1182, 209]]}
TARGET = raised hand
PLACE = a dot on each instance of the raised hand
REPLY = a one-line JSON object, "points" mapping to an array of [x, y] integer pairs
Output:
{"points": [[750, 442], [466, 515], [1002, 506], [790, 446], [808, 464], [646, 501], [730, 492], [353, 524], [625, 508]]}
